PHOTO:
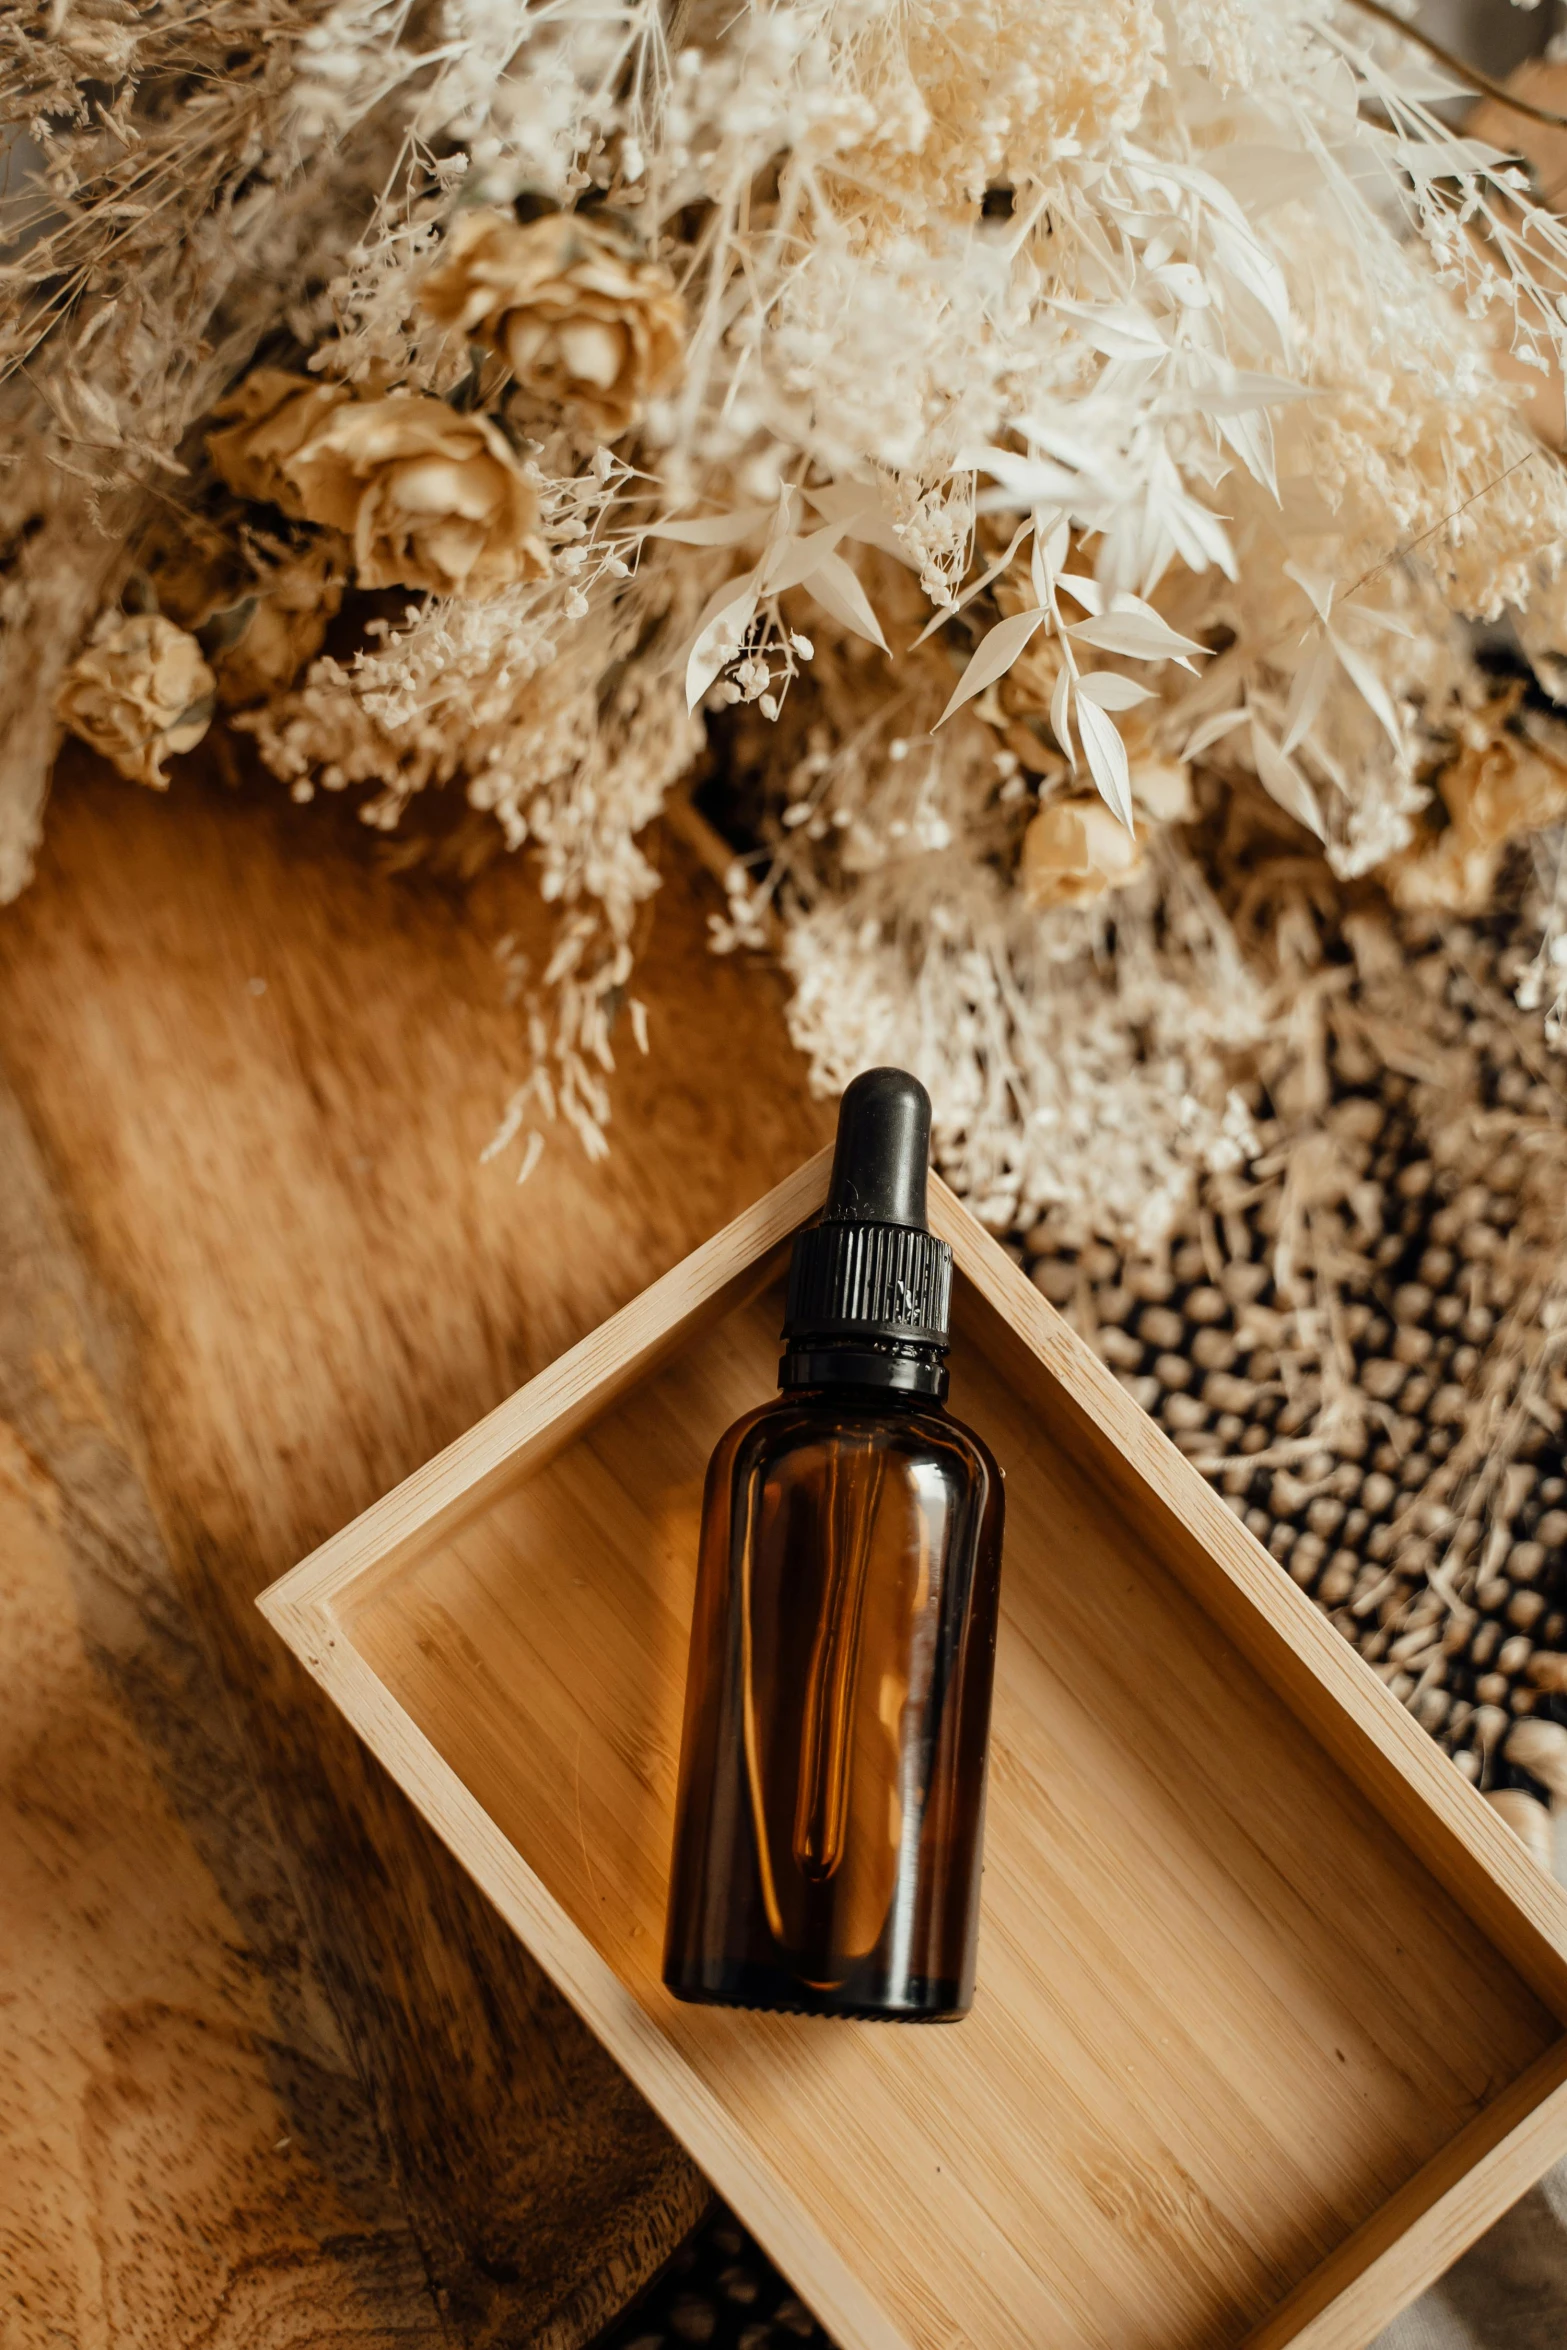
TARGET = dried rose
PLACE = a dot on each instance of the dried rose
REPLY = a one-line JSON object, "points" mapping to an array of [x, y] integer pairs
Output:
{"points": [[191, 568], [430, 499], [579, 319], [1161, 786], [273, 415], [278, 629], [1074, 851], [139, 693], [1495, 789]]}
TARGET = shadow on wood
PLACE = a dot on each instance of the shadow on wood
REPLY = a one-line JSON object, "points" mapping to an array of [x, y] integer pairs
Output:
{"points": [[185, 2149]]}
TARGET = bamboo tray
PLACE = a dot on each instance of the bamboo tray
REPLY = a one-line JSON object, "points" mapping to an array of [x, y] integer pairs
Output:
{"points": [[1271, 2007]]}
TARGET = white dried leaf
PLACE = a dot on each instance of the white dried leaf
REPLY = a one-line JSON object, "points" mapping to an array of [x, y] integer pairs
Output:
{"points": [[793, 556], [861, 513], [713, 530], [1199, 536], [1320, 586], [1388, 623], [1112, 691], [992, 657], [1212, 730], [1108, 363], [1083, 590], [1023, 481], [1283, 780], [1121, 330], [1370, 687], [719, 634], [1245, 260], [1185, 283], [1310, 684], [1141, 634], [839, 593], [1249, 432], [1052, 537], [987, 579], [1061, 714], [1106, 756]]}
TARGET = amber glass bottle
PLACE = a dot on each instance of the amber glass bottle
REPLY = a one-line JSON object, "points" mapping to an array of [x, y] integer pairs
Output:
{"points": [[832, 1772]]}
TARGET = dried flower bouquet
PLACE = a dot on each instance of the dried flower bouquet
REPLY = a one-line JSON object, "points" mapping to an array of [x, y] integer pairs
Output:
{"points": [[970, 417]]}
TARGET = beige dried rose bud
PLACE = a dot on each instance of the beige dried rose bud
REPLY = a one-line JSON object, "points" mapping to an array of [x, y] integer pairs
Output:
{"points": [[1074, 851], [578, 318], [192, 568], [430, 499], [281, 626], [273, 414], [1494, 790], [139, 693], [1161, 786]]}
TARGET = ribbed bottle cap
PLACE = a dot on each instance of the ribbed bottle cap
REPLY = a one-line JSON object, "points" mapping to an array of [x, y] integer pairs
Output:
{"points": [[870, 1285]]}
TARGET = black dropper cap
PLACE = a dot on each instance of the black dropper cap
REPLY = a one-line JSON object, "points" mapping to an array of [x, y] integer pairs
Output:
{"points": [[870, 1284]]}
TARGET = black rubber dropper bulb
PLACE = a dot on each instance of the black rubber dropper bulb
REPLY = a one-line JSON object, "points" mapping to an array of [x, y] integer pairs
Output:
{"points": [[882, 1152], [869, 1285]]}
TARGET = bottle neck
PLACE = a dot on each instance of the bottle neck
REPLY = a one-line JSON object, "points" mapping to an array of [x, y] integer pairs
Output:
{"points": [[885, 1369]]}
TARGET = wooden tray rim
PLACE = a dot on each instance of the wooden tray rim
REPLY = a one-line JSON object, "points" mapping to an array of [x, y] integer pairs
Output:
{"points": [[1402, 2247]]}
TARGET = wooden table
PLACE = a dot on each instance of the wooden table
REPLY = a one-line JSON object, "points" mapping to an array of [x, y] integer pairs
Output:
{"points": [[270, 2071]]}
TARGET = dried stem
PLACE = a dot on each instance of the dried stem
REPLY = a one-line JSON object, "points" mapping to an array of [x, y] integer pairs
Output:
{"points": [[1461, 70]]}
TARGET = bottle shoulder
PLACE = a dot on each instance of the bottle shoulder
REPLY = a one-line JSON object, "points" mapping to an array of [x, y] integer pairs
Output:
{"points": [[818, 1418], [975, 1443]]}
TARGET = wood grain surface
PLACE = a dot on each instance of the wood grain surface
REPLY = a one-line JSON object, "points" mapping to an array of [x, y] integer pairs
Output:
{"points": [[185, 2151], [261, 1072]]}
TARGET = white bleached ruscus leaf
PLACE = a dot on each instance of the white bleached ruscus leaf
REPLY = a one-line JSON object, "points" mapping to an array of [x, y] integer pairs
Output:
{"points": [[720, 632], [838, 591], [1310, 683], [1112, 691], [1133, 628], [1213, 730], [1106, 756], [977, 587], [1369, 686], [1061, 714], [1283, 781], [993, 656], [713, 530]]}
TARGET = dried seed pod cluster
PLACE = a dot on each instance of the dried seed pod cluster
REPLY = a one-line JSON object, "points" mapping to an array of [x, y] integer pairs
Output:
{"points": [[722, 2290], [1379, 1430]]}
